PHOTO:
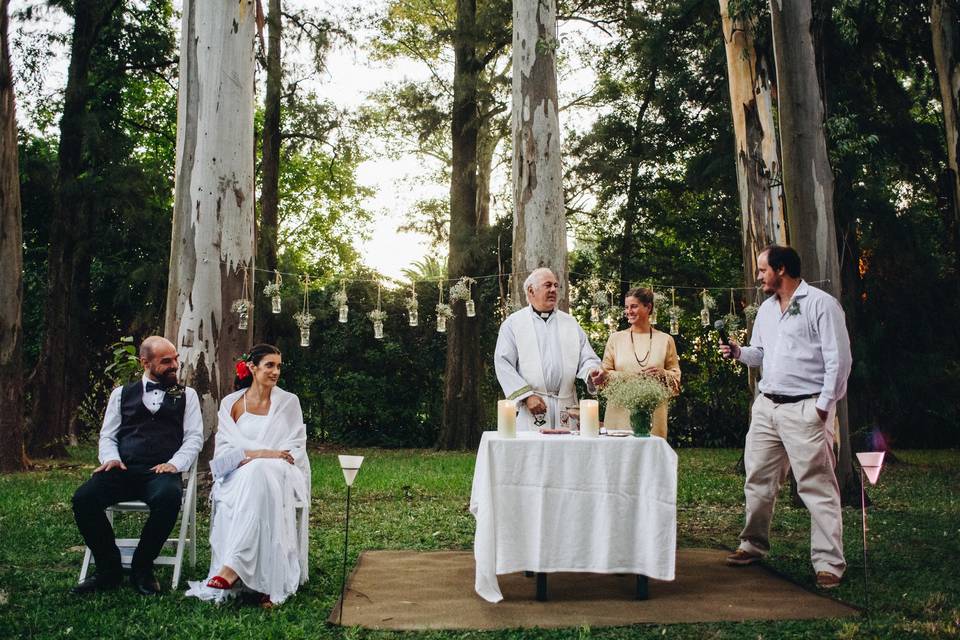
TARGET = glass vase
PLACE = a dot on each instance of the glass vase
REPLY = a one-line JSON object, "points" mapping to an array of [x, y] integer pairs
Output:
{"points": [[471, 309], [414, 318], [378, 330], [244, 320], [304, 336], [640, 422], [344, 313], [275, 304], [441, 324]]}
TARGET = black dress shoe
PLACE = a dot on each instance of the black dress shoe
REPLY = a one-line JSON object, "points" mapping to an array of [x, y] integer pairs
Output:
{"points": [[145, 583], [96, 582]]}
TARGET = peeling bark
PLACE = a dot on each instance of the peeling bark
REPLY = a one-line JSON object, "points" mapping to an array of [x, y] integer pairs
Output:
{"points": [[539, 219], [213, 218], [757, 152], [807, 177], [12, 456]]}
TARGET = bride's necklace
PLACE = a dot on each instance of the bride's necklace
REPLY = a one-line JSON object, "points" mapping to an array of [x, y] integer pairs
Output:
{"points": [[642, 361]]}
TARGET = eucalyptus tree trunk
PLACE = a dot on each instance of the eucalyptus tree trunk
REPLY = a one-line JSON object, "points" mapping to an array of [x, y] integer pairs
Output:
{"points": [[59, 372], [539, 216], [462, 415], [757, 153], [213, 217], [945, 28], [12, 457], [270, 170], [807, 177]]}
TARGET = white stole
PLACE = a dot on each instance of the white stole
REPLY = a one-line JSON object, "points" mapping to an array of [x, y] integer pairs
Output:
{"points": [[530, 365]]}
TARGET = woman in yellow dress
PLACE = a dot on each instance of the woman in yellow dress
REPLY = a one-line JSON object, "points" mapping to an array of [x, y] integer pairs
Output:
{"points": [[640, 349]]}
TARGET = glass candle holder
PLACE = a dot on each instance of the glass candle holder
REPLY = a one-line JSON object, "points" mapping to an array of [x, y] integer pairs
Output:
{"points": [[471, 309], [414, 318], [244, 320], [705, 317], [441, 324], [304, 336], [378, 330], [275, 304], [344, 314]]}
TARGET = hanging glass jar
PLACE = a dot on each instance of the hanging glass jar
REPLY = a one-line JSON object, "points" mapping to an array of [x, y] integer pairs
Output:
{"points": [[377, 316], [340, 301], [441, 324], [272, 291], [304, 336], [708, 304], [471, 309], [653, 316], [594, 314], [674, 325], [242, 309], [414, 317]]}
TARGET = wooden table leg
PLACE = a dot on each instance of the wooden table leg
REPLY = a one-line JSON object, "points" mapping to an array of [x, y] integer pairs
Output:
{"points": [[643, 591], [541, 587]]}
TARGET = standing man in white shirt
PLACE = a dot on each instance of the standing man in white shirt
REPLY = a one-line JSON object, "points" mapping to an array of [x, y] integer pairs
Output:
{"points": [[540, 353], [152, 431], [800, 341]]}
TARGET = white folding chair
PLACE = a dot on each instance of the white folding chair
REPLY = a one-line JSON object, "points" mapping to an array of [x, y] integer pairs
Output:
{"points": [[186, 538]]}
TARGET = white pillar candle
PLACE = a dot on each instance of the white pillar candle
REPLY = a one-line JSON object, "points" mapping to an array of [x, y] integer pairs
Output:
{"points": [[589, 418], [507, 418]]}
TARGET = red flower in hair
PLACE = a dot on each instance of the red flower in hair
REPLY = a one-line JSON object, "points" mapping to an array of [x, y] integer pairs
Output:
{"points": [[242, 369]]}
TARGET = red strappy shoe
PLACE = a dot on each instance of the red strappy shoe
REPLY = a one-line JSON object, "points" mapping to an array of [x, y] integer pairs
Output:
{"points": [[218, 582]]}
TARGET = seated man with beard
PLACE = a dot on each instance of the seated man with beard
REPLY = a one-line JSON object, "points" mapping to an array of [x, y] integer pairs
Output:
{"points": [[152, 431]]}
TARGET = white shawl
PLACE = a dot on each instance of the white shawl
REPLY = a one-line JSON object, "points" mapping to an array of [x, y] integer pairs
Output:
{"points": [[285, 431]]}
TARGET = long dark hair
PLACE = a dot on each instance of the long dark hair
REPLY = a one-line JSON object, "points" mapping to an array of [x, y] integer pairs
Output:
{"points": [[255, 356]]}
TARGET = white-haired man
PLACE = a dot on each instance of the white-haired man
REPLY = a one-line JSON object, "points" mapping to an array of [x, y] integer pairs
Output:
{"points": [[540, 353]]}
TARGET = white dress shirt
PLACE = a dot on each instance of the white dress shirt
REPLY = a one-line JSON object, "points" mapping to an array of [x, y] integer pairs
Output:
{"points": [[192, 425], [804, 349]]}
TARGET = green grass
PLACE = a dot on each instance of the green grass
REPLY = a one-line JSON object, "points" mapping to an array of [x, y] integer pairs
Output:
{"points": [[419, 500]]}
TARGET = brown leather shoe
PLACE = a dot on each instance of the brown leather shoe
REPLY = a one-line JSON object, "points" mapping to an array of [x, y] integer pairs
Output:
{"points": [[826, 580], [742, 557]]}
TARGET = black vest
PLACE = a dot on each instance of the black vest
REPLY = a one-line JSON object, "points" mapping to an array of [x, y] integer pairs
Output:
{"points": [[144, 438]]}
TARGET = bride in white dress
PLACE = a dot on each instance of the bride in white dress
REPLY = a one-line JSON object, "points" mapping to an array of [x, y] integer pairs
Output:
{"points": [[261, 472]]}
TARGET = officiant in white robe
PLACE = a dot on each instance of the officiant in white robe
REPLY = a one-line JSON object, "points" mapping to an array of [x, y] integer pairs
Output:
{"points": [[261, 472], [540, 353]]}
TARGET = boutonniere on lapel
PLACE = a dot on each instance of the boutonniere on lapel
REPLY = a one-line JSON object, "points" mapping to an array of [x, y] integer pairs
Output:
{"points": [[794, 308], [175, 393]]}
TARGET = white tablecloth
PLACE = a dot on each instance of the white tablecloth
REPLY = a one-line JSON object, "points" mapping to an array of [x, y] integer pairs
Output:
{"points": [[551, 503]]}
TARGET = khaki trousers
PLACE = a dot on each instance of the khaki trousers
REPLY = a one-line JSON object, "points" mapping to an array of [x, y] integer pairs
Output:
{"points": [[784, 437]]}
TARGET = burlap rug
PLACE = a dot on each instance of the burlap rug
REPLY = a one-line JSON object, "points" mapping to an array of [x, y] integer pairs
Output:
{"points": [[408, 590]]}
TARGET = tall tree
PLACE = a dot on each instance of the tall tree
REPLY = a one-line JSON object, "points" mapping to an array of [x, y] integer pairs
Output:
{"points": [[757, 151], [12, 457], [539, 216], [462, 415], [807, 177], [945, 28], [270, 164], [213, 218], [55, 382]]}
